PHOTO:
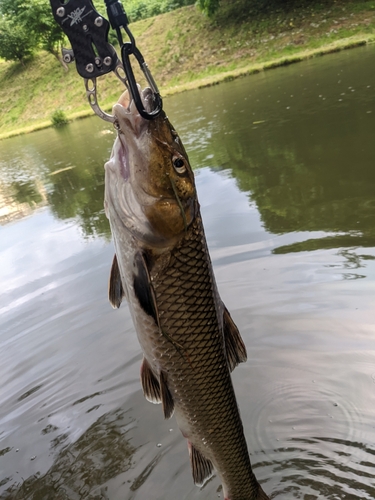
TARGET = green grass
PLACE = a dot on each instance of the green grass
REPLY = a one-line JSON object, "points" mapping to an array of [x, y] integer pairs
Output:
{"points": [[185, 49]]}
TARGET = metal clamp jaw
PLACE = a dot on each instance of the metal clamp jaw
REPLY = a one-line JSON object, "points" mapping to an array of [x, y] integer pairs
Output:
{"points": [[87, 31], [94, 56]]}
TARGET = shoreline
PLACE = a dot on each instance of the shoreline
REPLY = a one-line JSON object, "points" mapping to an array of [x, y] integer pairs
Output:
{"points": [[220, 77]]}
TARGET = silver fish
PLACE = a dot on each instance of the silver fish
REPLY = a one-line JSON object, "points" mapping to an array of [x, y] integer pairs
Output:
{"points": [[162, 266]]}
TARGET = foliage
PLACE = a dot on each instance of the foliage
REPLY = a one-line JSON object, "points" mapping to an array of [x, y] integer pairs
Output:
{"points": [[59, 118], [142, 9], [15, 43], [209, 7], [34, 17]]}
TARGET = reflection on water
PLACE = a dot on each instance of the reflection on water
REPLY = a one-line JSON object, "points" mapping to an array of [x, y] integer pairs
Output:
{"points": [[83, 467], [59, 167], [302, 148], [286, 182]]}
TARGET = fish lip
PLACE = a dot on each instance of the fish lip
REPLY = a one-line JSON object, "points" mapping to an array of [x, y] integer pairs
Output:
{"points": [[127, 113]]}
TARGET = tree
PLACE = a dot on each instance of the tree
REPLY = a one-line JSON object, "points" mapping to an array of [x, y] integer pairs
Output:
{"points": [[15, 43], [209, 7], [35, 18]]}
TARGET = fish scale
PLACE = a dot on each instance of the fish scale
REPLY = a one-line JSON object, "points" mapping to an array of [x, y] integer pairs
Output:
{"points": [[198, 377]]}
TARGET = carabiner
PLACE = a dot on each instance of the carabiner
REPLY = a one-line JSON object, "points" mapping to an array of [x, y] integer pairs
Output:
{"points": [[127, 50], [118, 20]]}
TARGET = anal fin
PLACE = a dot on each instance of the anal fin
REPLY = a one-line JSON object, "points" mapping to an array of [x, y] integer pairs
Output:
{"points": [[166, 397], [234, 345], [115, 288], [150, 384], [201, 468]]}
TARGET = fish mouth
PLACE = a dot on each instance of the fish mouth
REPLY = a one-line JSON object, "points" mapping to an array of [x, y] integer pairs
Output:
{"points": [[146, 96], [127, 115]]}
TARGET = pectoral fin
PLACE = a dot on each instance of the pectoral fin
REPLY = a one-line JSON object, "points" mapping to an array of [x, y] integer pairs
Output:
{"points": [[145, 293], [150, 384], [201, 468], [115, 288], [234, 345], [143, 288], [166, 397]]}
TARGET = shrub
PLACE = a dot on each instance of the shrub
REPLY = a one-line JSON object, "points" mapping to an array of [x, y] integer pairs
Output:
{"points": [[59, 118]]}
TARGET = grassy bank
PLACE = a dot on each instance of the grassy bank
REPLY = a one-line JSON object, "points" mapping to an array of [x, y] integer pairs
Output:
{"points": [[186, 50]]}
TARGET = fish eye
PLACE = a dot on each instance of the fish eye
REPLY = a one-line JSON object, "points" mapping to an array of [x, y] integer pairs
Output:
{"points": [[179, 165]]}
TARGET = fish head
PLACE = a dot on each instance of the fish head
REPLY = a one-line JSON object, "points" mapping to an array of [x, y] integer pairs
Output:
{"points": [[150, 185]]}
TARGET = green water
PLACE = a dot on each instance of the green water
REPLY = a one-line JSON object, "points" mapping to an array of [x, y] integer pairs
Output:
{"points": [[285, 170]]}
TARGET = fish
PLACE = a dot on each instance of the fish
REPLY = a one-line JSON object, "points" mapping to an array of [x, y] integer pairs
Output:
{"points": [[163, 269]]}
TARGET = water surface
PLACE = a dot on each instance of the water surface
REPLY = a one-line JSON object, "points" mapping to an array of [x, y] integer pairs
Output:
{"points": [[285, 176]]}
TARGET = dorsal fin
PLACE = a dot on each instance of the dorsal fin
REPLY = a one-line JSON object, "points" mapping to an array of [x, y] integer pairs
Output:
{"points": [[166, 396], [150, 384], [234, 345], [115, 288], [201, 468]]}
